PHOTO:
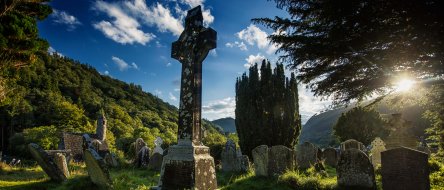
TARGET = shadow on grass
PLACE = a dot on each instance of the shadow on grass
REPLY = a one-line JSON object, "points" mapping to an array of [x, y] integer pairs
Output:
{"points": [[247, 181]]}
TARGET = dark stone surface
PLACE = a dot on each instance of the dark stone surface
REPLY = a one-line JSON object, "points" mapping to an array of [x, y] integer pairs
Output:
{"points": [[306, 155], [354, 170], [280, 159], [96, 167], [260, 159], [47, 163], [405, 169], [244, 163], [330, 157], [352, 143], [143, 157], [155, 162], [229, 157]]}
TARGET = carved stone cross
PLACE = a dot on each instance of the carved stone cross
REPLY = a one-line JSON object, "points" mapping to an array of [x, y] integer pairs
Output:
{"points": [[191, 49]]}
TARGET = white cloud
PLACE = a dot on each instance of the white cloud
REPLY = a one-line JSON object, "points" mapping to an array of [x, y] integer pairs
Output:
{"points": [[219, 108], [62, 17], [172, 97], [156, 15], [158, 92], [240, 45], [208, 18], [123, 28], [193, 3], [52, 51], [168, 64], [254, 36], [310, 105], [176, 89], [252, 59], [123, 65], [213, 52], [106, 73]]}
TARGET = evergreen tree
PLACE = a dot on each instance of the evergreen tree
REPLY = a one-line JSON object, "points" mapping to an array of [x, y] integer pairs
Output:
{"points": [[267, 109]]}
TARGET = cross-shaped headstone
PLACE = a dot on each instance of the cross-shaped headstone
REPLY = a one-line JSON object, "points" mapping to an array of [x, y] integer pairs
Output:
{"points": [[191, 49]]}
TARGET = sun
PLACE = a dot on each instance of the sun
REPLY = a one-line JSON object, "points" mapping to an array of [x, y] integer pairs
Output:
{"points": [[404, 85]]}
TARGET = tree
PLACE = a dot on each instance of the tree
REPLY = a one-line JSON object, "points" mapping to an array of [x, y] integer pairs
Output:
{"points": [[353, 49], [267, 109], [19, 38], [361, 124]]}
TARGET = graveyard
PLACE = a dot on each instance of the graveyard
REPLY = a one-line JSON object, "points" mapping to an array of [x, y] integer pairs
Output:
{"points": [[333, 95]]}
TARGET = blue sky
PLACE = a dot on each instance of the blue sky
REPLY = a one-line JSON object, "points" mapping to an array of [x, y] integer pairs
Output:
{"points": [[130, 40]]}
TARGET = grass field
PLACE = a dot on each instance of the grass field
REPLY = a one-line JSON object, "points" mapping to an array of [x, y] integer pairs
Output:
{"points": [[127, 177]]}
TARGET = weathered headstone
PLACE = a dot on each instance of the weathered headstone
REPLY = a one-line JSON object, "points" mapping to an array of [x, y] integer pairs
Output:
{"points": [[158, 146], [260, 159], [47, 163], [352, 143], [306, 155], [138, 145], [143, 157], [244, 163], [330, 157], [280, 159], [405, 169], [229, 157], [401, 133], [377, 147], [60, 161], [155, 162], [354, 170], [96, 167], [188, 164], [95, 144], [101, 128]]}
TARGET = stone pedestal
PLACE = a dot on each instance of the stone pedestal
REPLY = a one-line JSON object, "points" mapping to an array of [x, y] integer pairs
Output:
{"points": [[188, 167]]}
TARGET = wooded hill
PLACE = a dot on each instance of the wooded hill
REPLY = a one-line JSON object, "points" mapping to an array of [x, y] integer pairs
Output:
{"points": [[58, 94]]}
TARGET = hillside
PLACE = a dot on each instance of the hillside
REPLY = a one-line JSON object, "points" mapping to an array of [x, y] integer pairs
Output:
{"points": [[227, 124], [60, 94], [319, 128]]}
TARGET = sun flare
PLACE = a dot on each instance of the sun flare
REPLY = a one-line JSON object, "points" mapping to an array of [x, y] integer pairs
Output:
{"points": [[404, 85]]}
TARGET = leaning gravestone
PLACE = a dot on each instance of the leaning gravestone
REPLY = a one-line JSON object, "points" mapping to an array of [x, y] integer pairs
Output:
{"points": [[306, 155], [61, 163], [229, 157], [280, 159], [155, 162], [405, 169], [377, 147], [244, 163], [48, 164], [260, 159], [354, 170], [188, 165], [352, 143], [330, 157], [97, 170]]}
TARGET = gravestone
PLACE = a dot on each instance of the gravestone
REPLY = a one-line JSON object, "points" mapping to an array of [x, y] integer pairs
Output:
{"points": [[111, 160], [143, 157], [158, 146], [401, 133], [377, 147], [96, 167], [280, 159], [101, 128], [352, 143], [138, 145], [60, 161], [330, 157], [405, 169], [47, 163], [354, 170], [260, 160], [155, 162], [229, 157], [244, 163], [306, 155], [188, 165], [95, 144]]}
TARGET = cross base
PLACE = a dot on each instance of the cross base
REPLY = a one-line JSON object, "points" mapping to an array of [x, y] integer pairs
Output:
{"points": [[188, 167]]}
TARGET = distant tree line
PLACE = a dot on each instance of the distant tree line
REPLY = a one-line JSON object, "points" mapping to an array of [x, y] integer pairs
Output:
{"points": [[267, 108]]}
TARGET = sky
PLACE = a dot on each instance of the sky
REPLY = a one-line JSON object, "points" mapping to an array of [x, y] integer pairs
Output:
{"points": [[130, 40]]}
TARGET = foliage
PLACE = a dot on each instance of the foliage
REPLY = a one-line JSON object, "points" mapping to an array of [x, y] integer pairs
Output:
{"points": [[67, 95], [19, 39], [434, 100], [361, 124], [354, 48], [216, 142], [267, 108]]}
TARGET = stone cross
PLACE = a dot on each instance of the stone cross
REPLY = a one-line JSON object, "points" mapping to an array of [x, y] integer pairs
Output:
{"points": [[191, 49]]}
